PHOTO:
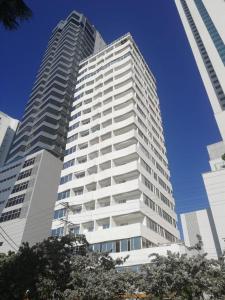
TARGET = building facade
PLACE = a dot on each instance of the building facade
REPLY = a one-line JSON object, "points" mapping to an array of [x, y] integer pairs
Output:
{"points": [[115, 184], [8, 127], [45, 122], [201, 223], [29, 179], [203, 21], [215, 187], [28, 190]]}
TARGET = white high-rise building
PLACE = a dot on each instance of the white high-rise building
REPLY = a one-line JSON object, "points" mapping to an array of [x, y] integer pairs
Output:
{"points": [[203, 21], [115, 184], [8, 127]]}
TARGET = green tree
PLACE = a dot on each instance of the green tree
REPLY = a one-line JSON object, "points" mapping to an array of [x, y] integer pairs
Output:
{"points": [[182, 277], [12, 12], [63, 268], [95, 277], [43, 269]]}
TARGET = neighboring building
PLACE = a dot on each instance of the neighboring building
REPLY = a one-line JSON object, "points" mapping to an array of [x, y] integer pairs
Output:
{"points": [[27, 195], [8, 127], [28, 189], [115, 184], [201, 223], [203, 21], [45, 122], [215, 188]]}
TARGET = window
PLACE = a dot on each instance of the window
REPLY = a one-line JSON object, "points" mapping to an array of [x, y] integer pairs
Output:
{"points": [[147, 244], [58, 231], [72, 138], [20, 187], [79, 175], [84, 133], [74, 126], [75, 230], [152, 225], [78, 192], [78, 105], [108, 111], [15, 200], [83, 146], [149, 202], [108, 90], [70, 150], [28, 162], [135, 243], [24, 174], [124, 245], [122, 201], [82, 159], [105, 226], [68, 164], [10, 215], [89, 92], [87, 101], [95, 128], [148, 184], [75, 116], [59, 213], [170, 237], [107, 247], [86, 121], [66, 178], [87, 111], [63, 195]]}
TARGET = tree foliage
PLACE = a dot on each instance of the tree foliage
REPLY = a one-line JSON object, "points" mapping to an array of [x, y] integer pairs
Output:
{"points": [[180, 277], [12, 12], [66, 268], [61, 268]]}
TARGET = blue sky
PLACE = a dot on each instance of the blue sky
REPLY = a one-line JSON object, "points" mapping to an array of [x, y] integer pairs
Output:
{"points": [[155, 25]]}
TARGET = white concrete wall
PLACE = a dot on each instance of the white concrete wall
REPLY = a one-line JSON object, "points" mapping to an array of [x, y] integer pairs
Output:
{"points": [[215, 188], [141, 257], [200, 223], [43, 197]]}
